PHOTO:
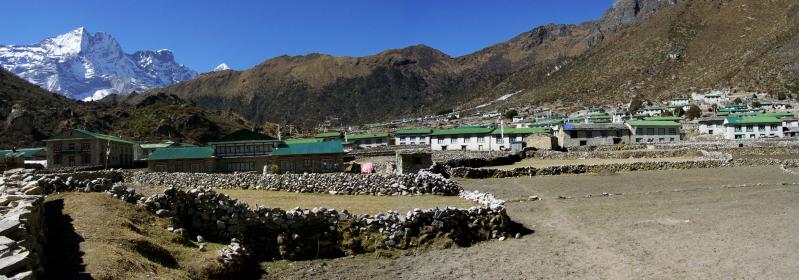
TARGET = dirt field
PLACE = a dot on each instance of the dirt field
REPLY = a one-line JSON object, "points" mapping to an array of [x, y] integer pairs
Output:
{"points": [[541, 163], [359, 204], [686, 224]]}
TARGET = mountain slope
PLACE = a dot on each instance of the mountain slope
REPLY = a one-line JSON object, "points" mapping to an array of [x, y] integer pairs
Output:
{"points": [[748, 45], [30, 114], [82, 65]]}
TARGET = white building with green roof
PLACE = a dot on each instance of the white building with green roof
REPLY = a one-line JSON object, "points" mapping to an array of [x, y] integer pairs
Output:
{"points": [[753, 127], [654, 131], [412, 136], [367, 140]]}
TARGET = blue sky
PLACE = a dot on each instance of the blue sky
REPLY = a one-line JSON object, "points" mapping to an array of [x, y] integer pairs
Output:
{"points": [[203, 33]]}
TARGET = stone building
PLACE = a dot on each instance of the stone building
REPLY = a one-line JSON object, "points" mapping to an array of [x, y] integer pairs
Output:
{"points": [[77, 147], [411, 161], [502, 139], [712, 126], [577, 135], [651, 132]]}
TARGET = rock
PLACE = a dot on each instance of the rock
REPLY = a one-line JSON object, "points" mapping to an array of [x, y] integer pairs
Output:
{"points": [[533, 198], [200, 239], [162, 213], [14, 263]]}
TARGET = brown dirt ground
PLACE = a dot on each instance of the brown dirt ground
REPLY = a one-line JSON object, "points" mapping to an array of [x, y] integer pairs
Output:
{"points": [[682, 224]]}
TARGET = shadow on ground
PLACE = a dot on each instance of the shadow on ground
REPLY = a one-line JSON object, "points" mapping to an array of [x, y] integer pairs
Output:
{"points": [[63, 258]]}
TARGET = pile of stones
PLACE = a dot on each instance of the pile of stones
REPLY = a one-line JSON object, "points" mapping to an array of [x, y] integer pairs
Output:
{"points": [[333, 183], [22, 226]]}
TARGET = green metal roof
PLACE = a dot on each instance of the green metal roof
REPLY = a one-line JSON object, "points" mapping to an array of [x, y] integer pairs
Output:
{"points": [[328, 147], [754, 120], [182, 153], [412, 131], [22, 153], [301, 141], [654, 123], [660, 119], [328, 134], [777, 114], [96, 136], [513, 130], [463, 131], [366, 136]]}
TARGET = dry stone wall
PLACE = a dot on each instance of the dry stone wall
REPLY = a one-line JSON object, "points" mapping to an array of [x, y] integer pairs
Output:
{"points": [[333, 183], [22, 228]]}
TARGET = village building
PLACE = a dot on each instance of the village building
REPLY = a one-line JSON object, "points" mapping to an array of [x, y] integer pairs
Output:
{"points": [[465, 138], [248, 151], [680, 102], [652, 132], [503, 139], [77, 147], [243, 150], [367, 140], [712, 126], [18, 158], [577, 135], [188, 159], [330, 136], [753, 127], [146, 149], [411, 161], [652, 111], [412, 136]]}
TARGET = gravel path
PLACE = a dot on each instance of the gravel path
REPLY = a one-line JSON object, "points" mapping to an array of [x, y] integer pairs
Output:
{"points": [[694, 224]]}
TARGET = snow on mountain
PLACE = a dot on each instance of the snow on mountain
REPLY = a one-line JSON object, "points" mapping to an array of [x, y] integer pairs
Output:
{"points": [[221, 67], [88, 66]]}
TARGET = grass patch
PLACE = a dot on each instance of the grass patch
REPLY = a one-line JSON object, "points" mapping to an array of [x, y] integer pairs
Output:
{"points": [[359, 204], [93, 235]]}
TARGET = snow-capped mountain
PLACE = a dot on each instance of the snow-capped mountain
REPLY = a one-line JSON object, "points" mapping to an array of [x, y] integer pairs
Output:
{"points": [[88, 66], [222, 67]]}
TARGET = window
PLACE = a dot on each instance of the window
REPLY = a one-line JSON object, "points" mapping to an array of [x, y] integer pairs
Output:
{"points": [[661, 139], [403, 139], [440, 140], [671, 139], [619, 133], [638, 140], [752, 136], [661, 131], [85, 146], [773, 127], [500, 140], [750, 128], [454, 140], [71, 147], [589, 134], [650, 131], [739, 136], [308, 164], [481, 140], [604, 133], [762, 128], [467, 139], [639, 131], [673, 131], [738, 128]]}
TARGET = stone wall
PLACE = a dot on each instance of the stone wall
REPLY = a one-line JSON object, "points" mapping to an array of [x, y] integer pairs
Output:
{"points": [[681, 152], [333, 183], [480, 173], [385, 150], [476, 159], [22, 226]]}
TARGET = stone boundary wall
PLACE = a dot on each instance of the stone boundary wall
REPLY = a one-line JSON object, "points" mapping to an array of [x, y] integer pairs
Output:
{"points": [[681, 152], [333, 183], [481, 173], [385, 151], [23, 233], [694, 145], [476, 159]]}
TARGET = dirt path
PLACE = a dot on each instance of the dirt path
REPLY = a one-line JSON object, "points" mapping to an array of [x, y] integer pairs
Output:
{"points": [[685, 224]]}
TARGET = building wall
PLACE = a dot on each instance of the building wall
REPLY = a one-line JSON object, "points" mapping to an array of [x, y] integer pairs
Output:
{"points": [[189, 165], [716, 129], [648, 135], [294, 164], [371, 142], [577, 138], [757, 131], [542, 142], [88, 152], [461, 142], [402, 140]]}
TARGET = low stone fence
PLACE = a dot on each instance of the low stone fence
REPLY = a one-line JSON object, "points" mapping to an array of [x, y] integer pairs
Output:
{"points": [[481, 173], [333, 183], [272, 233], [476, 159], [23, 232], [623, 154]]}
